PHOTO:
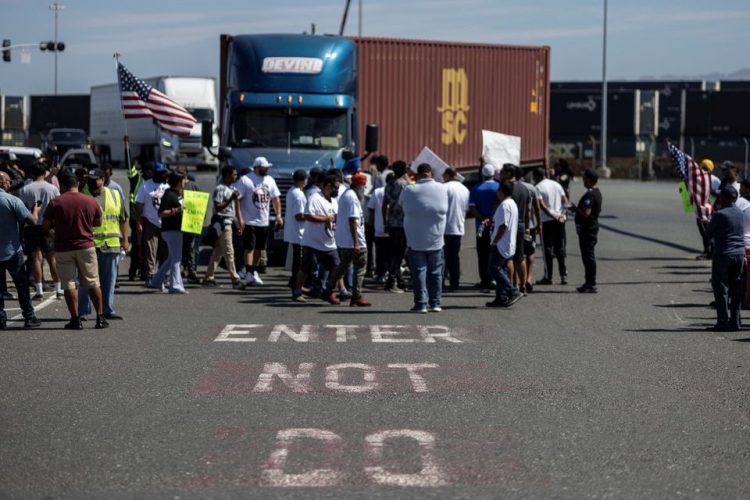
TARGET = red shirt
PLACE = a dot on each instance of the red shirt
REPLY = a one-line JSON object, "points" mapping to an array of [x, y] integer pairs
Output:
{"points": [[73, 215]]}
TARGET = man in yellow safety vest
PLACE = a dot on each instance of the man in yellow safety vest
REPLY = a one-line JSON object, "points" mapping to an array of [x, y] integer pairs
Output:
{"points": [[109, 238]]}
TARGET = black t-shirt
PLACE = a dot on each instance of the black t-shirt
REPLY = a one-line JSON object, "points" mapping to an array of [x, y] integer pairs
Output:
{"points": [[591, 199], [171, 199], [522, 197]]}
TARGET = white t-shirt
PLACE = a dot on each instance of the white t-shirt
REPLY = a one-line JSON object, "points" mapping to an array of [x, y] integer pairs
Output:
{"points": [[349, 208], [295, 204], [376, 205], [319, 235], [256, 194], [506, 214], [149, 194], [744, 205], [552, 194], [458, 205]]}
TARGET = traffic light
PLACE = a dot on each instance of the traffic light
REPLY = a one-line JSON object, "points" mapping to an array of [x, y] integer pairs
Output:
{"points": [[51, 46], [6, 52]]}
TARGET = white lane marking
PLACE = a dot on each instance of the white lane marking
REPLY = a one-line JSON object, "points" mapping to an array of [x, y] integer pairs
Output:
{"points": [[38, 308], [302, 336], [297, 383], [273, 474], [368, 376], [397, 334], [430, 475], [415, 374]]}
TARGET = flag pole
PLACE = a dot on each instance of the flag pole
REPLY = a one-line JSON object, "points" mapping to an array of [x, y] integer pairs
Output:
{"points": [[125, 139]]}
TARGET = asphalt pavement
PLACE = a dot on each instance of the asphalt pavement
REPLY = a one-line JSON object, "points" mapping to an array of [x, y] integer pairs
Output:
{"points": [[228, 393]]}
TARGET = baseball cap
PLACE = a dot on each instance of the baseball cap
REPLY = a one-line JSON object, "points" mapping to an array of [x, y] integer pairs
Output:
{"points": [[358, 180], [261, 161], [95, 173], [299, 175], [729, 192], [728, 164], [160, 167], [488, 170], [708, 165]]}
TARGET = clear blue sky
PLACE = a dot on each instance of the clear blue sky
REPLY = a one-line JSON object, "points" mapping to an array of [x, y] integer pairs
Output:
{"points": [[647, 38]]}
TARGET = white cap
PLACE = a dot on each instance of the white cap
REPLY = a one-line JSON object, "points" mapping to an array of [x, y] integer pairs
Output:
{"points": [[488, 170], [261, 162]]}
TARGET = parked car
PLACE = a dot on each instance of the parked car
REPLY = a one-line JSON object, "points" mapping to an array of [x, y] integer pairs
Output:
{"points": [[80, 157], [24, 156]]}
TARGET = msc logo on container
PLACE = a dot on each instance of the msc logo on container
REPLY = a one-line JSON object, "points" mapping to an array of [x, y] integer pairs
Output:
{"points": [[455, 105]]}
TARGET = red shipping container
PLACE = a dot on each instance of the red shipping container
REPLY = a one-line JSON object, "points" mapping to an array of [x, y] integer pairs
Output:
{"points": [[443, 94]]}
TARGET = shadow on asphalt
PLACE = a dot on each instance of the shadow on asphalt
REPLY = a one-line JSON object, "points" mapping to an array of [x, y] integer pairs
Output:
{"points": [[664, 243], [670, 330], [746, 339], [681, 306]]}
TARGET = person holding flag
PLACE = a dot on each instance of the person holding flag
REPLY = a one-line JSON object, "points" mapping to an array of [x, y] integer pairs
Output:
{"points": [[698, 182]]}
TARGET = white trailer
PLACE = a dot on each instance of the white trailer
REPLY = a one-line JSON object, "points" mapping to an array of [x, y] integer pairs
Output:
{"points": [[148, 141]]}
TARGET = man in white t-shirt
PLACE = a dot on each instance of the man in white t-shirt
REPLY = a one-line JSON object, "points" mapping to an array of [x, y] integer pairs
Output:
{"points": [[375, 207], [350, 239], [148, 226], [295, 222], [319, 235], [503, 247], [552, 201], [258, 191], [458, 206]]}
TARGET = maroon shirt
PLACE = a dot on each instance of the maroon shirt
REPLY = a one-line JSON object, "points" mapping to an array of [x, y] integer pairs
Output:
{"points": [[73, 215]]}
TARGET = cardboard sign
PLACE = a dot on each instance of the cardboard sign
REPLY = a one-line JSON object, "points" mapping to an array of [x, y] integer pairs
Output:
{"points": [[195, 204], [498, 149], [433, 160]]}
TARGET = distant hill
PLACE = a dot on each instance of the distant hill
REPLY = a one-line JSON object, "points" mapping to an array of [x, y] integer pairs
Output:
{"points": [[741, 74]]}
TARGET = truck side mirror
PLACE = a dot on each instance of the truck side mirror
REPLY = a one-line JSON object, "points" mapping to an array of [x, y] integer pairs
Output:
{"points": [[224, 153], [207, 134], [371, 138]]}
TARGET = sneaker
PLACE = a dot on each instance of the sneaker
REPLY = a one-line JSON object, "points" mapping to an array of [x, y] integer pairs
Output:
{"points": [[345, 294], [522, 291], [59, 294], [101, 323], [9, 296], [115, 317], [515, 298], [209, 282], [529, 287], [257, 279], [236, 284], [32, 322], [497, 303], [3, 324], [395, 289], [419, 309], [249, 279], [544, 281], [298, 298], [359, 302], [703, 256], [563, 280], [74, 324], [436, 309], [193, 279], [178, 292], [587, 289], [331, 299], [242, 274], [38, 296], [380, 280]]}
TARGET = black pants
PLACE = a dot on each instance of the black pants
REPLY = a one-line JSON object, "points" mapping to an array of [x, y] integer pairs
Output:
{"points": [[382, 251], [553, 236], [728, 283], [587, 239], [398, 250], [706, 240], [136, 246], [370, 240], [451, 250], [296, 250], [188, 253], [483, 256]]}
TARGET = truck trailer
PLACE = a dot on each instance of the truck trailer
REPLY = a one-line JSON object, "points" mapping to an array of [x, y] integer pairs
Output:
{"points": [[148, 142]]}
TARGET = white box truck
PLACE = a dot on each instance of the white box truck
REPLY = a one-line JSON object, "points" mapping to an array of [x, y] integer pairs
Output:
{"points": [[147, 141]]}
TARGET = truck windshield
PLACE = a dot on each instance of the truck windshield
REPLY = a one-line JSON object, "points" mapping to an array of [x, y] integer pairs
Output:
{"points": [[68, 136], [202, 114], [287, 127]]}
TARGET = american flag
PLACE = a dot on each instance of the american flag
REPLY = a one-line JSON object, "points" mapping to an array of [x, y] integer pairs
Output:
{"points": [[141, 100], [698, 181]]}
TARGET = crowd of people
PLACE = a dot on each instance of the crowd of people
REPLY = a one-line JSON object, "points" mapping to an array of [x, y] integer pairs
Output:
{"points": [[341, 226]]}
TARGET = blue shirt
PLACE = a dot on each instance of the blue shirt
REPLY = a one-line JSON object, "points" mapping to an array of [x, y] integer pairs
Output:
{"points": [[12, 212], [425, 206], [484, 197], [727, 228]]}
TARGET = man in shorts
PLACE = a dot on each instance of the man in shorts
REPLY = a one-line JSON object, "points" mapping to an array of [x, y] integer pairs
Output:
{"points": [[73, 216]]}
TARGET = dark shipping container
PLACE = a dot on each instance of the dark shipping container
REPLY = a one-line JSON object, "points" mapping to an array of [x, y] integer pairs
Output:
{"points": [[13, 113], [443, 94], [62, 111], [717, 114], [579, 114]]}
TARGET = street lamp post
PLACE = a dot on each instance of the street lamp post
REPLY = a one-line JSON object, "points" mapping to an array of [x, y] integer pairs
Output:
{"points": [[603, 147], [57, 7], [359, 14]]}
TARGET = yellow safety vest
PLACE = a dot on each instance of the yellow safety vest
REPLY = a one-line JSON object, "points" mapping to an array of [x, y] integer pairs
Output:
{"points": [[108, 234]]}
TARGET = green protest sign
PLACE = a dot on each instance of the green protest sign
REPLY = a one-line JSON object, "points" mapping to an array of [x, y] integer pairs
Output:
{"points": [[194, 211], [687, 203]]}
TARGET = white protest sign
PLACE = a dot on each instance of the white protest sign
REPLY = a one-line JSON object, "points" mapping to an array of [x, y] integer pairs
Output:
{"points": [[433, 160], [498, 149]]}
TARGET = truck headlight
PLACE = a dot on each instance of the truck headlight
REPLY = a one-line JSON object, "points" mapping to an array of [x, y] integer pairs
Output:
{"points": [[165, 143]]}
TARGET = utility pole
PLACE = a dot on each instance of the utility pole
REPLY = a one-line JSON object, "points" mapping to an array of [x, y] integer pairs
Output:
{"points": [[603, 147], [359, 12], [57, 7]]}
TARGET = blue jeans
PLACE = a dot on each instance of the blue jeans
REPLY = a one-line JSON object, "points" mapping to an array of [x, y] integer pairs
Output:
{"points": [[426, 276], [498, 268], [15, 267], [107, 278], [173, 239]]}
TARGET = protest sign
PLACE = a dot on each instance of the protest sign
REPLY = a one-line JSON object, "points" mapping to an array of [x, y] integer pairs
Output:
{"points": [[498, 149], [195, 204]]}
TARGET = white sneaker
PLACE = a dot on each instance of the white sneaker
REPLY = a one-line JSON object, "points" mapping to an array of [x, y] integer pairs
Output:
{"points": [[436, 309], [256, 278]]}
